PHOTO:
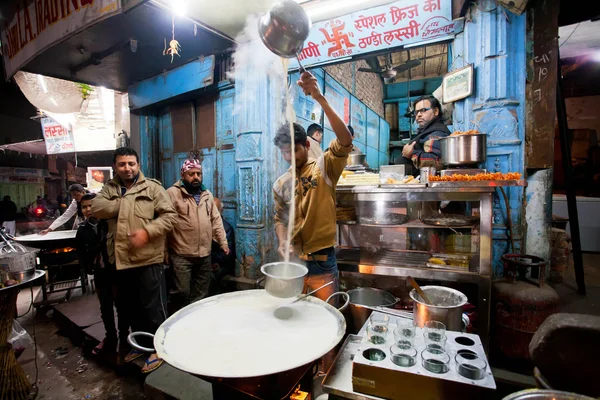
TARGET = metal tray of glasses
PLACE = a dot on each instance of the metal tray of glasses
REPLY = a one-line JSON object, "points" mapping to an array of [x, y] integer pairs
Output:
{"points": [[375, 373]]}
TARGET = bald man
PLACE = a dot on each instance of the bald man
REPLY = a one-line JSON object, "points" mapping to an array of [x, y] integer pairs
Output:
{"points": [[222, 264]]}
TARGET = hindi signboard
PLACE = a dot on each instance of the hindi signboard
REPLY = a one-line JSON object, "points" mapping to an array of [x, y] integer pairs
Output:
{"points": [[58, 139], [42, 23], [398, 24]]}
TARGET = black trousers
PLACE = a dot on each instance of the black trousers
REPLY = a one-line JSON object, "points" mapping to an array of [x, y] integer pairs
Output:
{"points": [[144, 296], [105, 280]]}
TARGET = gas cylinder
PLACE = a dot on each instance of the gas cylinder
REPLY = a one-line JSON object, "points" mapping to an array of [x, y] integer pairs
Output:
{"points": [[520, 305]]}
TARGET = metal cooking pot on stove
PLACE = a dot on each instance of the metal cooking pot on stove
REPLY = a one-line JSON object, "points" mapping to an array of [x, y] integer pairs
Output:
{"points": [[370, 297], [447, 308], [246, 334], [463, 150], [284, 28]]}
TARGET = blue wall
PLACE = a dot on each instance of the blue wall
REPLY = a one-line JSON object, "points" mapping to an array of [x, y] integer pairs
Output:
{"points": [[495, 44], [372, 133]]}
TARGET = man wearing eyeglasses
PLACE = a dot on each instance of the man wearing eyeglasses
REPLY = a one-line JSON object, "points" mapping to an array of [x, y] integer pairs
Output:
{"points": [[190, 242], [424, 150]]}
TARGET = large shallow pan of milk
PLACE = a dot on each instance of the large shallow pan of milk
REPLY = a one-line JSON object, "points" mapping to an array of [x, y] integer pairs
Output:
{"points": [[248, 333]]}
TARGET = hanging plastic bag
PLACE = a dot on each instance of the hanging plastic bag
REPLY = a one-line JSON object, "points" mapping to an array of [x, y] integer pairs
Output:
{"points": [[19, 339]]}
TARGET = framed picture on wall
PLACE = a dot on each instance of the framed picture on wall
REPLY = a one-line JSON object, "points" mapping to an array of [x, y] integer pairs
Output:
{"points": [[97, 177], [458, 84]]}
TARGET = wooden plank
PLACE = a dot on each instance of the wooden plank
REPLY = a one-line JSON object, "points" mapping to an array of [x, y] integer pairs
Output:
{"points": [[541, 86]]}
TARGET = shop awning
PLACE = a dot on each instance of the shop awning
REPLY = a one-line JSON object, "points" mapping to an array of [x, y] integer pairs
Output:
{"points": [[126, 47], [31, 147]]}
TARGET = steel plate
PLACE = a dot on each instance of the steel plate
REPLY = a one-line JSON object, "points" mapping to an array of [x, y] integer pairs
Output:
{"points": [[52, 240], [450, 220], [238, 335]]}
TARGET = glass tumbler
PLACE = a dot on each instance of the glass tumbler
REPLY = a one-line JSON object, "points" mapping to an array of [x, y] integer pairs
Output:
{"points": [[404, 334], [470, 365], [435, 360], [403, 356], [434, 329], [377, 334], [435, 341]]}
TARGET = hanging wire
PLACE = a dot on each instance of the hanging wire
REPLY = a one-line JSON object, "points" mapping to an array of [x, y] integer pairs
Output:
{"points": [[569, 37]]}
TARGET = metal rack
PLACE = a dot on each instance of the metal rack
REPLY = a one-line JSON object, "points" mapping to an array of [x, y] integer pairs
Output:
{"points": [[396, 262]]}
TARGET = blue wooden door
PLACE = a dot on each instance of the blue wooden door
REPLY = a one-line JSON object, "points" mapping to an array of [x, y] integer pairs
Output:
{"points": [[225, 155]]}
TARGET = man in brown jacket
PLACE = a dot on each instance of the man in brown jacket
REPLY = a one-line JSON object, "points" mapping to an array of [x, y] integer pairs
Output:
{"points": [[139, 214], [190, 242]]}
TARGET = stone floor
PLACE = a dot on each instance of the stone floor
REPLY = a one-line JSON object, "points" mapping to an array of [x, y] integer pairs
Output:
{"points": [[66, 370]]}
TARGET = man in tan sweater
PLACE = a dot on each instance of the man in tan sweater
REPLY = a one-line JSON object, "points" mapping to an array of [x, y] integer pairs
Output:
{"points": [[190, 242], [313, 237]]}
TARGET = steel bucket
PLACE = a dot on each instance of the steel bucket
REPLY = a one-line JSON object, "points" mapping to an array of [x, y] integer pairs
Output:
{"points": [[284, 279], [284, 28], [367, 297], [463, 150], [448, 308]]}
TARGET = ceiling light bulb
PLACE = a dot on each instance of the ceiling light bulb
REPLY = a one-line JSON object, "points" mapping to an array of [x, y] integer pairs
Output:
{"points": [[179, 7]]}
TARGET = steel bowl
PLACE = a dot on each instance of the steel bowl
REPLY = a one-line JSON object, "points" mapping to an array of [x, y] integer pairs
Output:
{"points": [[284, 279], [356, 159], [463, 150], [284, 28]]}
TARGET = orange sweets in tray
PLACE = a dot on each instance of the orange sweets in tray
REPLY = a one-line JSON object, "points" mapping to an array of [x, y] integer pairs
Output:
{"points": [[488, 176]]}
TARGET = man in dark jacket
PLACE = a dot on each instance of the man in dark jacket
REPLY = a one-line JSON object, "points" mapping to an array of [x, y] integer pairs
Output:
{"points": [[222, 264], [93, 256], [8, 215], [425, 150]]}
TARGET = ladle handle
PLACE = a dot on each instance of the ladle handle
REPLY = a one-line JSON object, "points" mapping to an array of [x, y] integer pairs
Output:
{"points": [[302, 69], [309, 293], [420, 291]]}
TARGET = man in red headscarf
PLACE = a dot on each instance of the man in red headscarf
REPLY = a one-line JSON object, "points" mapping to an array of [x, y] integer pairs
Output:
{"points": [[190, 241]]}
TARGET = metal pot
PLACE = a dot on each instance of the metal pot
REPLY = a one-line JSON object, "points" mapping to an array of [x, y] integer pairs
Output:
{"points": [[284, 28], [367, 297], [539, 394], [356, 159], [463, 150], [447, 309], [17, 266], [284, 279]]}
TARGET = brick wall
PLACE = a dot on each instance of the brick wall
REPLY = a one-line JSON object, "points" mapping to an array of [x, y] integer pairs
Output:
{"points": [[368, 87]]}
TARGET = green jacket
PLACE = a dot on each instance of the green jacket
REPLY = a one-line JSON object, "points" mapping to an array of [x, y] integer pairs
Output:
{"points": [[144, 205]]}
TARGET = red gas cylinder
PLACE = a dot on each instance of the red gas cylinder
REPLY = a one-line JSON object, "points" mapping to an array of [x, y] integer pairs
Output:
{"points": [[520, 305]]}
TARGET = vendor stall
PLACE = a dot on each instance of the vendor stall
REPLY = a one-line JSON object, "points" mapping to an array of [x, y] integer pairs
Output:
{"points": [[440, 231]]}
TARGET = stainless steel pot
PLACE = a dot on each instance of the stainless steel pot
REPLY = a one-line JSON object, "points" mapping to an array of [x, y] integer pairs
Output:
{"points": [[284, 279], [539, 394], [356, 159], [284, 29], [370, 297], [463, 150], [447, 309], [18, 266]]}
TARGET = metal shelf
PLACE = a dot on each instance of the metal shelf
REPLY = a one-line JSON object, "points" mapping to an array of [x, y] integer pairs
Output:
{"points": [[410, 224]]}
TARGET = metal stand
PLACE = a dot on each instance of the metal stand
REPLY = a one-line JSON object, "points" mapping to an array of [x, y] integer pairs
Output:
{"points": [[565, 147]]}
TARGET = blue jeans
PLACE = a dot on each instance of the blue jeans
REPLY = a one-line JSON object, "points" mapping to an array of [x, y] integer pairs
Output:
{"points": [[322, 272]]}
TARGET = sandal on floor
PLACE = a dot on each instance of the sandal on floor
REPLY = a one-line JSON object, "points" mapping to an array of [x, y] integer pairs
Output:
{"points": [[98, 348], [153, 365], [133, 355]]}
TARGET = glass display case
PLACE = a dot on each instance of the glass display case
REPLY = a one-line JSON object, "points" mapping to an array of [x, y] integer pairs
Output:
{"points": [[434, 233]]}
